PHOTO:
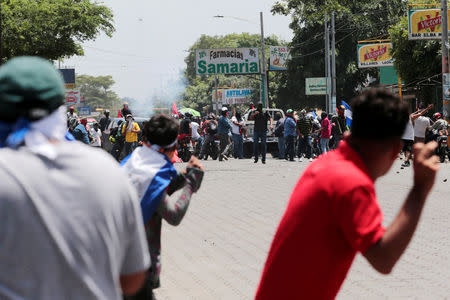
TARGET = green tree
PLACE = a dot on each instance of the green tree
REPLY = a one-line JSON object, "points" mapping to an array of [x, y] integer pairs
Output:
{"points": [[419, 63], [51, 29], [199, 90], [97, 92], [355, 21]]}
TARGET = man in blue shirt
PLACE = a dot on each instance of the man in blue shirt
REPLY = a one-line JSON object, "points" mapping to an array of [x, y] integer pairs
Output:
{"points": [[290, 133], [223, 129]]}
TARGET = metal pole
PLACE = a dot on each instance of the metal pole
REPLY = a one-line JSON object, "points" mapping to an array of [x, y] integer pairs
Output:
{"points": [[327, 62], [333, 65], [263, 66], [445, 68], [400, 92], [326, 68], [217, 95], [1, 30]]}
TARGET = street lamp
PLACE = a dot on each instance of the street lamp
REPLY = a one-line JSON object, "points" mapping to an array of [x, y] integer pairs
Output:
{"points": [[264, 94]]}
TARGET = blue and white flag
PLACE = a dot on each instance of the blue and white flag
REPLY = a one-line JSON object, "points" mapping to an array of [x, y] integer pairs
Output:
{"points": [[348, 114], [150, 172]]}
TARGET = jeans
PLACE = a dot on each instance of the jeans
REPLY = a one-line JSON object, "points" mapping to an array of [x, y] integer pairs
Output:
{"points": [[238, 147], [129, 147], [198, 145], [281, 147], [106, 144], [257, 136], [305, 142], [324, 145], [208, 139], [224, 141], [117, 150], [290, 146], [336, 139]]}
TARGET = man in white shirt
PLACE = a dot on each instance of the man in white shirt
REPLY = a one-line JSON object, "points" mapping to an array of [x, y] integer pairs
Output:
{"points": [[196, 137], [410, 134], [96, 135], [420, 126], [238, 147]]}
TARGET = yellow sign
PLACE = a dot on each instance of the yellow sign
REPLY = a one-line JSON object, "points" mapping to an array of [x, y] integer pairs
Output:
{"points": [[425, 24], [69, 86], [375, 55], [219, 93]]}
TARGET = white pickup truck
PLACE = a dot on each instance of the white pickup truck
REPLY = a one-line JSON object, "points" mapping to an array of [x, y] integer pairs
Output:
{"points": [[272, 141]]}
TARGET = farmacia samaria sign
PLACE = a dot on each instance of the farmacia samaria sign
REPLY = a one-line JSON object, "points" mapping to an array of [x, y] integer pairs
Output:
{"points": [[227, 61]]}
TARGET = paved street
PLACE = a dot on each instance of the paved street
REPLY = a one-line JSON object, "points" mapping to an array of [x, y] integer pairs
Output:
{"points": [[219, 249]]}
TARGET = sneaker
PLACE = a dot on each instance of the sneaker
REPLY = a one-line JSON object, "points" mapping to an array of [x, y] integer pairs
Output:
{"points": [[256, 160], [310, 159], [264, 162], [406, 164], [300, 159]]}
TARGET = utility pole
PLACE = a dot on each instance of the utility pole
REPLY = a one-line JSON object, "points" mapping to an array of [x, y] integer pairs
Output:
{"points": [[264, 95], [333, 65], [327, 63], [1, 35], [217, 94], [445, 68]]}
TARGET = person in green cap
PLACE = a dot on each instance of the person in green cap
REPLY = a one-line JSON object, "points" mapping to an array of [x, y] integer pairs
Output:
{"points": [[71, 223]]}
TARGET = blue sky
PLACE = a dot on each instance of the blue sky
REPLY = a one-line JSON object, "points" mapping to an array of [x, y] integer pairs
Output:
{"points": [[146, 53]]}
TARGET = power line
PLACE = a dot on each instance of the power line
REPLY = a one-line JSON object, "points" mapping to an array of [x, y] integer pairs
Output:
{"points": [[344, 23], [118, 53], [322, 49]]}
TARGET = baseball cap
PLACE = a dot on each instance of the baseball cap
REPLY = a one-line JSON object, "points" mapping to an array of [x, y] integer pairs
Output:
{"points": [[30, 87]]}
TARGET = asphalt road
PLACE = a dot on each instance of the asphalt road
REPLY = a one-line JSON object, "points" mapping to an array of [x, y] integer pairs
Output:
{"points": [[219, 249]]}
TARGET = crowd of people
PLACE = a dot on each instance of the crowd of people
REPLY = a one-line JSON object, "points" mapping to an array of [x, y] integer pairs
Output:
{"points": [[76, 225], [307, 136], [299, 135]]}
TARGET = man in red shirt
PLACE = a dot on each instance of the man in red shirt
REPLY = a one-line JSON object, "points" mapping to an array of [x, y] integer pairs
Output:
{"points": [[333, 213]]}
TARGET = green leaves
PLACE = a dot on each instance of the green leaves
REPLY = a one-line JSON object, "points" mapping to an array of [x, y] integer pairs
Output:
{"points": [[52, 28], [97, 91], [355, 21]]}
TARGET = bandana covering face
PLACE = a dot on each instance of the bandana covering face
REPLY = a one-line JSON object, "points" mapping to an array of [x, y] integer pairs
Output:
{"points": [[36, 136]]}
